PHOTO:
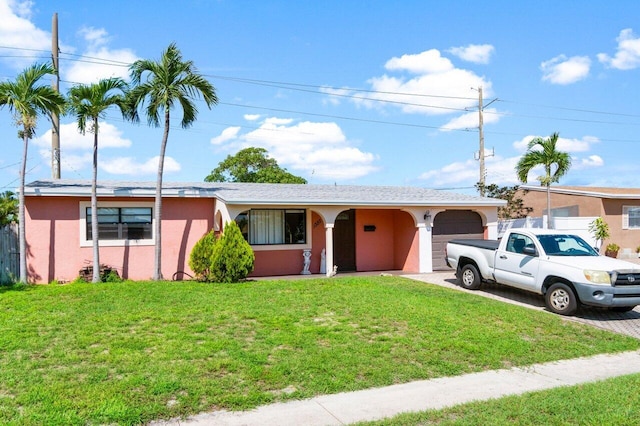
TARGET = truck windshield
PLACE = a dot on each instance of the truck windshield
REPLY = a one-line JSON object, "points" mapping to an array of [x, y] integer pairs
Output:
{"points": [[566, 245]]}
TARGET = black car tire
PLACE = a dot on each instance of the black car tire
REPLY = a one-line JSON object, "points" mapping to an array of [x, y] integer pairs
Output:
{"points": [[561, 299], [469, 277]]}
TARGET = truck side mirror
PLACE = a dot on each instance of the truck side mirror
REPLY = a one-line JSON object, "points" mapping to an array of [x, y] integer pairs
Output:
{"points": [[529, 251]]}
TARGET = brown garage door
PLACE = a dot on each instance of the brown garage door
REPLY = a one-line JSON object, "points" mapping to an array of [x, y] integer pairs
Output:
{"points": [[451, 224]]}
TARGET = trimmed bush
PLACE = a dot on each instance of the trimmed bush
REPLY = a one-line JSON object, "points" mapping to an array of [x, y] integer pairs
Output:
{"points": [[233, 257], [200, 257]]}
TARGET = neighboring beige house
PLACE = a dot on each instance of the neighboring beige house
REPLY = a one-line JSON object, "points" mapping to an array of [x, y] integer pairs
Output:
{"points": [[619, 207]]}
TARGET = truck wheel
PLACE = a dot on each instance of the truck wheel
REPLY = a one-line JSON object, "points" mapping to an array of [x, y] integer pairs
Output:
{"points": [[469, 277], [561, 299]]}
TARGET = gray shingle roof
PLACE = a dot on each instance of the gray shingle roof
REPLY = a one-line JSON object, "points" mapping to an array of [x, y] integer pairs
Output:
{"points": [[264, 193]]}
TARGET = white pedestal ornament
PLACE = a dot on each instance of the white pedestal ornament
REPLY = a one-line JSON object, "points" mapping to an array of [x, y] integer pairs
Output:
{"points": [[306, 254]]}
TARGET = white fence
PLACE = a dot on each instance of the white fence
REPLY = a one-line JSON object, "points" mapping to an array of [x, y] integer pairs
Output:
{"points": [[573, 225]]}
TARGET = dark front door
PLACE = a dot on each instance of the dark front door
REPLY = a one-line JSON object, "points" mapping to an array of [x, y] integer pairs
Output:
{"points": [[344, 241]]}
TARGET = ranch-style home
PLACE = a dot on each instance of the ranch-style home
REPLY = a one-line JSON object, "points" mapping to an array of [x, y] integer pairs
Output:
{"points": [[354, 228]]}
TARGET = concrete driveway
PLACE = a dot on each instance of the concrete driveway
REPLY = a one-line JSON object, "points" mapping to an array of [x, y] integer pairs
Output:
{"points": [[624, 323]]}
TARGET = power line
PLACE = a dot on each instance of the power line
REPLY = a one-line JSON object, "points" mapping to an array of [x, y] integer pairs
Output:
{"points": [[323, 90], [423, 126]]}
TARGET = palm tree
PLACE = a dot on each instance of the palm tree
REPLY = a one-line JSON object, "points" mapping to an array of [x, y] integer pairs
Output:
{"points": [[161, 86], [543, 152], [26, 99], [89, 103]]}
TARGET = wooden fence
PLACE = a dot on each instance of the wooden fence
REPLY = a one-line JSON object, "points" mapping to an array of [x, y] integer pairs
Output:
{"points": [[9, 253]]}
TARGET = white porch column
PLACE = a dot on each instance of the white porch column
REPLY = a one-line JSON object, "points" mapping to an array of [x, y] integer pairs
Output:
{"points": [[329, 248], [425, 248]]}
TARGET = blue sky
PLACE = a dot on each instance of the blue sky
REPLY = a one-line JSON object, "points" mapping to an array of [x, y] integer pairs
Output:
{"points": [[348, 92]]}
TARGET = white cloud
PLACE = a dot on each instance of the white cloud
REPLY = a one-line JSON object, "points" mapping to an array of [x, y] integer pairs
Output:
{"points": [[477, 53], [563, 70], [453, 173], [129, 166], [427, 62], [470, 120], [627, 56], [228, 134], [17, 31], [499, 170], [107, 63], [502, 170], [251, 117], [589, 162], [564, 144], [335, 95], [71, 139], [438, 88], [315, 149], [72, 163]]}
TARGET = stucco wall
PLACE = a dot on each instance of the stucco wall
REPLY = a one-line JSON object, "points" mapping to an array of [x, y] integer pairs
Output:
{"points": [[392, 246], [406, 253], [609, 209], [584, 206], [53, 237], [625, 238], [374, 249]]}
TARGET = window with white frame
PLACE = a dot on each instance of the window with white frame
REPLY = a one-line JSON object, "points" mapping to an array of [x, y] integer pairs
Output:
{"points": [[273, 226], [631, 217], [119, 223], [122, 223]]}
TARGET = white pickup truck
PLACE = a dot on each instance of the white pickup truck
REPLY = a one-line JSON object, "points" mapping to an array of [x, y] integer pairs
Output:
{"points": [[563, 268]]}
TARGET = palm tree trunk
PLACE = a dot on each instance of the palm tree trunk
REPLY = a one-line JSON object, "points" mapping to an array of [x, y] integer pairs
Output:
{"points": [[157, 273], [21, 212], [94, 210], [549, 223]]}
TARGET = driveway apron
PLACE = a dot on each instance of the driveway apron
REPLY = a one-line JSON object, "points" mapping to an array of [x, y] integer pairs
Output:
{"points": [[624, 323]]}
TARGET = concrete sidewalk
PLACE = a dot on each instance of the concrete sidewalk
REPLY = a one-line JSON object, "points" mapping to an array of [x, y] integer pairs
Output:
{"points": [[376, 404]]}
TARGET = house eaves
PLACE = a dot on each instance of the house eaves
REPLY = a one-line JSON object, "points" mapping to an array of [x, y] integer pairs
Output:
{"points": [[595, 192], [267, 194]]}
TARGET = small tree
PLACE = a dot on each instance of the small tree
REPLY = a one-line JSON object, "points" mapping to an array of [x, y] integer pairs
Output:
{"points": [[600, 230], [8, 208], [252, 165], [515, 208], [200, 258], [233, 257]]}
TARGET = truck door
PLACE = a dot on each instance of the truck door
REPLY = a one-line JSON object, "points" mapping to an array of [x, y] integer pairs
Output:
{"points": [[515, 268]]}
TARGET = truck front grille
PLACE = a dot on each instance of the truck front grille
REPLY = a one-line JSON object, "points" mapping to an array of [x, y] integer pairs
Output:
{"points": [[623, 279]]}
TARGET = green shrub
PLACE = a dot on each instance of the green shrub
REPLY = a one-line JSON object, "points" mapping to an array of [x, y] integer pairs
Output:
{"points": [[232, 258], [111, 276], [200, 257]]}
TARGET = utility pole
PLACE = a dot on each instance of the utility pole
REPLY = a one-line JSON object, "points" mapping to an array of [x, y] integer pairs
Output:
{"points": [[55, 120], [481, 153], [481, 133]]}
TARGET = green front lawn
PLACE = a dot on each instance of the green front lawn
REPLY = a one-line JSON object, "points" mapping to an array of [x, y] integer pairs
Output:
{"points": [[614, 401], [130, 352]]}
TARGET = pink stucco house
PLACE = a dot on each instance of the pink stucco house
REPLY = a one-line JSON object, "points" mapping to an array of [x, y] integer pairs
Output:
{"points": [[360, 228]]}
